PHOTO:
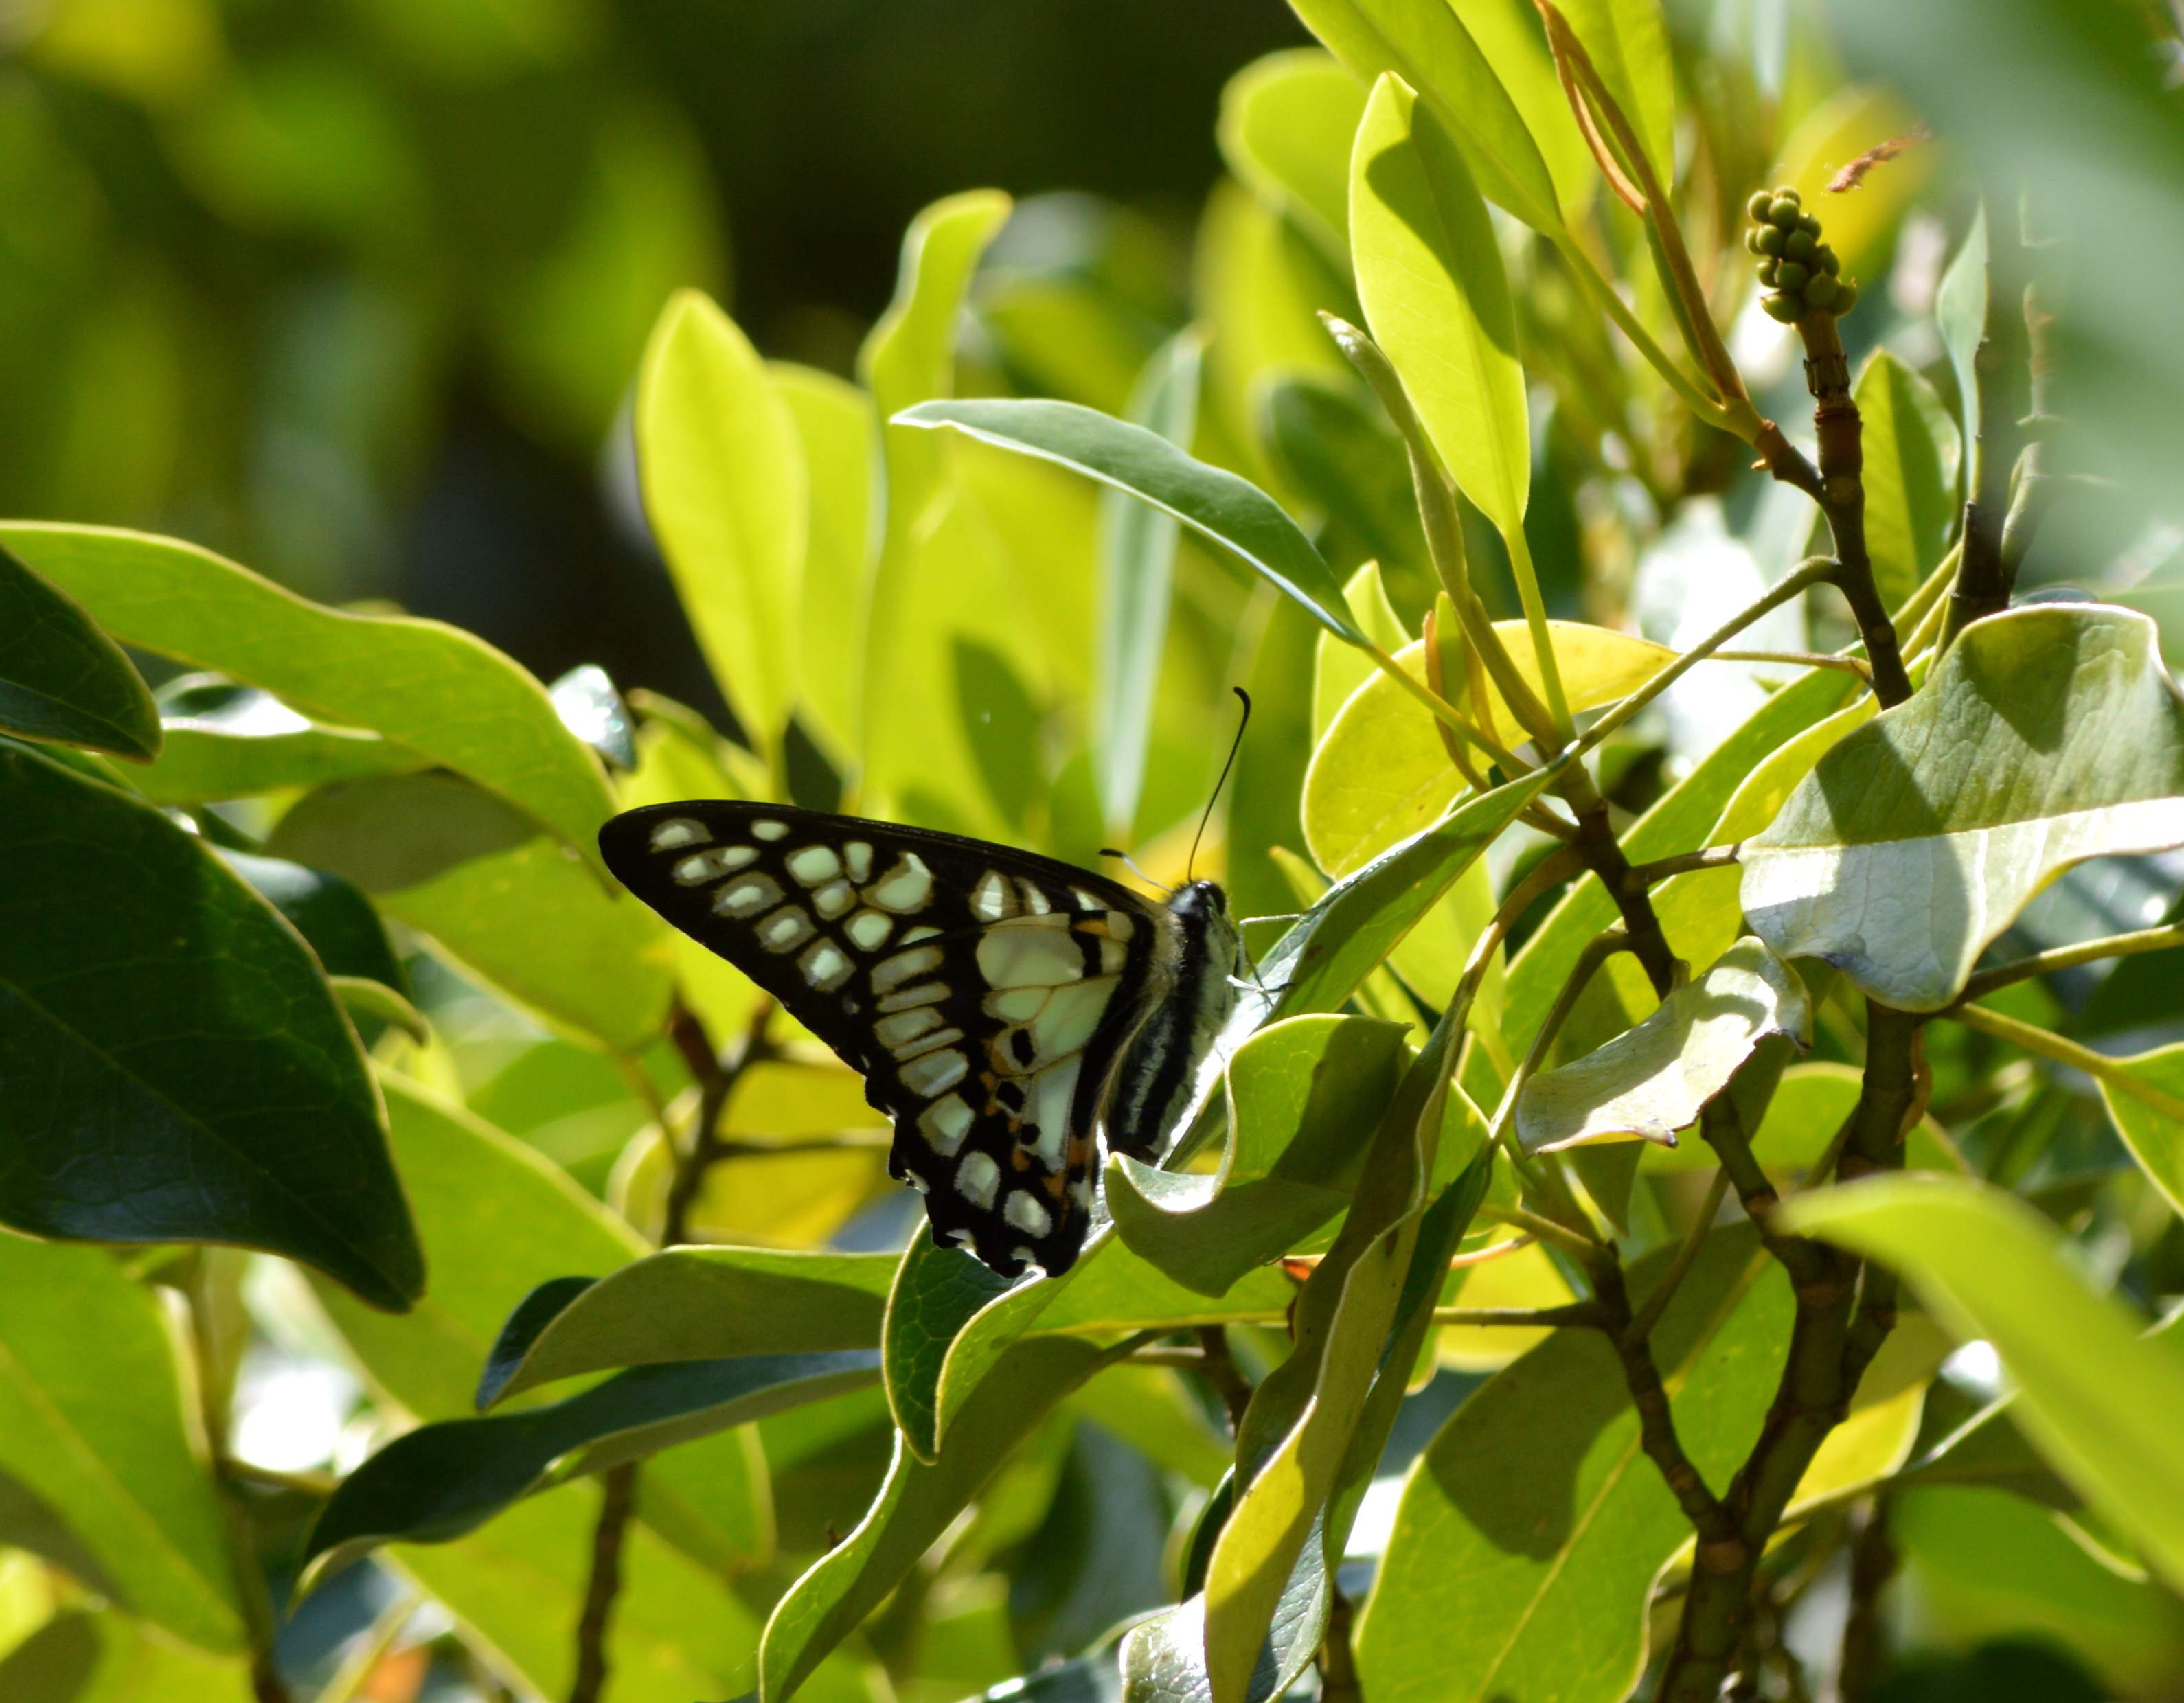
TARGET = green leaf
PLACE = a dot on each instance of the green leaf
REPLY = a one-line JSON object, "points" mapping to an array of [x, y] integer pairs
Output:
{"points": [[1338, 669], [61, 678], [1286, 121], [2152, 1122], [497, 1220], [1960, 311], [439, 1482], [1432, 51], [1430, 275], [517, 1588], [1628, 43], [1137, 562], [1911, 454], [2046, 736], [1323, 961], [335, 919], [92, 1418], [1508, 32], [1807, 1107], [1221, 507], [1530, 1529], [1652, 1080], [1164, 1658], [91, 1658], [937, 1292], [2099, 1402], [1295, 1092], [693, 1304], [915, 1505], [1382, 772], [839, 429], [457, 865], [224, 741], [177, 1069], [723, 477], [449, 696], [1339, 453]]}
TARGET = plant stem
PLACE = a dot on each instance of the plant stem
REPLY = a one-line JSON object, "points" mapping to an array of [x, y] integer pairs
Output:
{"points": [[2050, 1045], [2001, 365], [1643, 1321], [1571, 1241], [716, 1077], [1597, 951], [1872, 1564], [2064, 957], [604, 1583], [1684, 863], [1528, 1318], [1338, 1659], [1220, 1370]]}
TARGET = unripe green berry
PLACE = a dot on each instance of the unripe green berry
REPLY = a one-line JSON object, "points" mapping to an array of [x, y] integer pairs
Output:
{"points": [[1768, 239], [1821, 291], [1751, 241], [1782, 211], [1787, 309], [1825, 258], [1757, 206], [1787, 192], [1845, 297], [1798, 245], [1769, 272], [1792, 276], [1809, 223]]}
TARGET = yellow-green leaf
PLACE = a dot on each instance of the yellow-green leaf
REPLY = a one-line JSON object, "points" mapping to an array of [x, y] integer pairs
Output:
{"points": [[1286, 122]]}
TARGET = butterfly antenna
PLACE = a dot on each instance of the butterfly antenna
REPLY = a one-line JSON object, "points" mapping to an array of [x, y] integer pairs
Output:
{"points": [[1131, 863], [1235, 745]]}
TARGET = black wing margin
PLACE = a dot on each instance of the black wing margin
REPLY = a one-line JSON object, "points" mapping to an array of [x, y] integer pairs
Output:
{"points": [[984, 994]]}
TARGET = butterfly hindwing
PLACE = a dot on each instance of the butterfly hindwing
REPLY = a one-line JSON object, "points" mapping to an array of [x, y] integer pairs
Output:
{"points": [[984, 994]]}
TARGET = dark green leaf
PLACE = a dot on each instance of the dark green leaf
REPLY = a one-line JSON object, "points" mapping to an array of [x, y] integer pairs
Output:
{"points": [[440, 1481], [335, 919], [937, 1292], [1164, 1658], [177, 1069], [63, 679], [1230, 511]]}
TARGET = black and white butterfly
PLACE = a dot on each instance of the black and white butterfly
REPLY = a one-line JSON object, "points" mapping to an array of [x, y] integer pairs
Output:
{"points": [[1004, 1009]]}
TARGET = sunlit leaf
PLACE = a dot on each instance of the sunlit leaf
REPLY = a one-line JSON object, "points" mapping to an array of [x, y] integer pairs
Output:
{"points": [[839, 429], [224, 741], [1285, 126], [2152, 1123], [1338, 669], [1911, 455], [2099, 1401], [1628, 44], [2047, 735], [1656, 1079]]}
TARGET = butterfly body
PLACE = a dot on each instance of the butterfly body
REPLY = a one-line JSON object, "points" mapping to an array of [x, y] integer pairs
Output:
{"points": [[1003, 1008]]}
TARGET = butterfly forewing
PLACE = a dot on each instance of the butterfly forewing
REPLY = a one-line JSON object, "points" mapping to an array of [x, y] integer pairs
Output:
{"points": [[984, 994]]}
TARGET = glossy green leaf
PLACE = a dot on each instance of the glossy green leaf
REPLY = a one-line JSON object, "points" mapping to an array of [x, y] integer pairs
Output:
{"points": [[1430, 48], [1654, 1080], [1382, 771], [1164, 1658], [1296, 1091], [917, 1503], [517, 1588], [1531, 1529], [1219, 506], [1960, 312], [838, 430], [338, 922], [2047, 735], [439, 1482], [224, 741], [93, 1420], [497, 1220], [2099, 1401], [1284, 130], [1911, 453], [1323, 961], [1430, 275], [61, 678], [937, 1292], [1137, 563], [522, 912], [723, 471], [2152, 1122], [695, 1304], [1508, 33], [177, 1069], [444, 694]]}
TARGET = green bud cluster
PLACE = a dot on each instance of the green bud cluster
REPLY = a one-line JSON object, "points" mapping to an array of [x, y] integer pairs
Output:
{"points": [[1800, 272]]}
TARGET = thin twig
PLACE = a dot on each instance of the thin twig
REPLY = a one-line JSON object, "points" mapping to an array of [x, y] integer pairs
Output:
{"points": [[1570, 1241], [1643, 1321], [605, 1584], [716, 1077], [2065, 957], [1220, 1370], [1337, 1658], [1586, 1313], [1802, 659], [1684, 863]]}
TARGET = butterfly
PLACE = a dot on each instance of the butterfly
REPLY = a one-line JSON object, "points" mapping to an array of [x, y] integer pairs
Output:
{"points": [[1006, 1010]]}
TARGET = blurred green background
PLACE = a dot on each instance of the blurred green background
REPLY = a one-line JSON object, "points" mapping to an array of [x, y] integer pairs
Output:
{"points": [[354, 293]]}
